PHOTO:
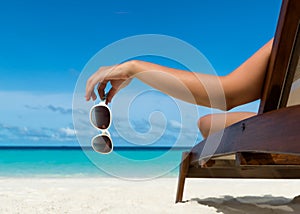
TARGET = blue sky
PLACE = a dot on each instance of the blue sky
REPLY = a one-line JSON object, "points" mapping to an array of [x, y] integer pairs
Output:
{"points": [[44, 46]]}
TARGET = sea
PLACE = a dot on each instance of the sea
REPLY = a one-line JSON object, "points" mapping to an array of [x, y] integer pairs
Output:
{"points": [[125, 163]]}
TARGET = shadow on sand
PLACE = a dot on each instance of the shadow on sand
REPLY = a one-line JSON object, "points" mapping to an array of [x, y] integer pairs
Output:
{"points": [[252, 204]]}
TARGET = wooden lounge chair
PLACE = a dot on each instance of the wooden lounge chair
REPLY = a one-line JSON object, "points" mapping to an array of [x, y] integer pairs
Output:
{"points": [[266, 145]]}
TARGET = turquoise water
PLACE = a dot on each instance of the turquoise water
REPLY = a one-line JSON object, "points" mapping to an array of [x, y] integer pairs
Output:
{"points": [[75, 162]]}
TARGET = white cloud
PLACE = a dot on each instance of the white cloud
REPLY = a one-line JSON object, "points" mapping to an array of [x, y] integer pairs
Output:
{"points": [[47, 117], [175, 124], [68, 131], [53, 108], [36, 117], [32, 109], [41, 134]]}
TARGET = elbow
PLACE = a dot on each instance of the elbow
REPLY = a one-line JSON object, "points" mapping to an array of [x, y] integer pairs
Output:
{"points": [[229, 94], [229, 103], [221, 102]]}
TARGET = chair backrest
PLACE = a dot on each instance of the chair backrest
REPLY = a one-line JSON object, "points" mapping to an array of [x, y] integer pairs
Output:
{"points": [[284, 58], [294, 98]]}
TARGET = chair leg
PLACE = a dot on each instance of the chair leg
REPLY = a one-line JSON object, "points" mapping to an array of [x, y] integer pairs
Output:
{"points": [[184, 166]]}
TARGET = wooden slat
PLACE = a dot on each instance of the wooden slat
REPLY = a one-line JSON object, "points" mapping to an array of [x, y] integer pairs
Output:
{"points": [[278, 82], [274, 132], [277, 172], [247, 158]]}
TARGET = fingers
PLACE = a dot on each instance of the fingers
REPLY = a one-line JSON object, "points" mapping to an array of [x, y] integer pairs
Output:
{"points": [[94, 96], [110, 95], [97, 77], [101, 89], [89, 90], [102, 77]]}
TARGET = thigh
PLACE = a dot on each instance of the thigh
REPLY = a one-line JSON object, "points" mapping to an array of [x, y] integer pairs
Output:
{"points": [[212, 123]]}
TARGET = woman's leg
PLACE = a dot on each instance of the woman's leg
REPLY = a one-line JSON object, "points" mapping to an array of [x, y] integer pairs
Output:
{"points": [[212, 123]]}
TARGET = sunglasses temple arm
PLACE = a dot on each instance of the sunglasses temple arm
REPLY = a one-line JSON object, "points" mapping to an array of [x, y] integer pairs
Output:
{"points": [[104, 97]]}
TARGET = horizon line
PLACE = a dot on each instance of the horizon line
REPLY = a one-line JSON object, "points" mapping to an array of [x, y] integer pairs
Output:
{"points": [[118, 148]]}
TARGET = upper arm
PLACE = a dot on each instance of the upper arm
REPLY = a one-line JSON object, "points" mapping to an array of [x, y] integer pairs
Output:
{"points": [[245, 83]]}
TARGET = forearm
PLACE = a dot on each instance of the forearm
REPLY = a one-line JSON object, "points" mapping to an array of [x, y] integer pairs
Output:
{"points": [[196, 88], [241, 86]]}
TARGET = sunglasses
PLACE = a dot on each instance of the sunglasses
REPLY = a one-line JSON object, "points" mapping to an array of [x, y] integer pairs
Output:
{"points": [[100, 118]]}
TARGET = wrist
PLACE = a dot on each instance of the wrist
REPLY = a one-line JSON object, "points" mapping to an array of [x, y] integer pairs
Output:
{"points": [[132, 67]]}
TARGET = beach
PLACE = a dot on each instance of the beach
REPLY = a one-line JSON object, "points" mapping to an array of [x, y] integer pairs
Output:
{"points": [[112, 195]]}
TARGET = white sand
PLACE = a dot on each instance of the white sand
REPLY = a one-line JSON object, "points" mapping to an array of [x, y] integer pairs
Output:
{"points": [[110, 195]]}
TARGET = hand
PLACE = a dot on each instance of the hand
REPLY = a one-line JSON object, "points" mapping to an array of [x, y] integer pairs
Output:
{"points": [[117, 75]]}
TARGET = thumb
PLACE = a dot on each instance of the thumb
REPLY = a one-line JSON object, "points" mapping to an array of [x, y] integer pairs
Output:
{"points": [[110, 95]]}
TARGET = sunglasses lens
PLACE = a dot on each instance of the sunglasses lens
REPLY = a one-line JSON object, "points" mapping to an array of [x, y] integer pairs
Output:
{"points": [[102, 144], [100, 117]]}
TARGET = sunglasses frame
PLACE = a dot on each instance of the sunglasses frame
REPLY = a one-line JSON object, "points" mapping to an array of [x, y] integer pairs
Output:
{"points": [[104, 132], [102, 103]]}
